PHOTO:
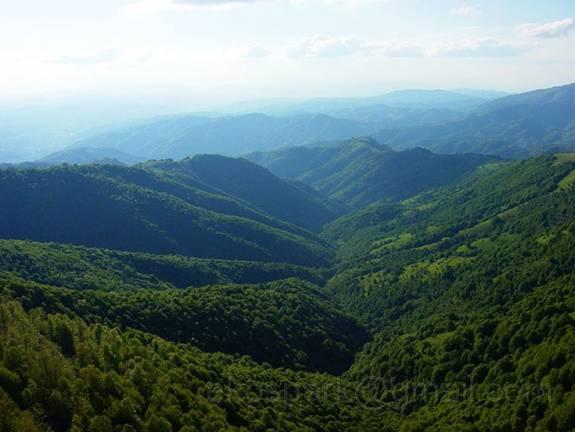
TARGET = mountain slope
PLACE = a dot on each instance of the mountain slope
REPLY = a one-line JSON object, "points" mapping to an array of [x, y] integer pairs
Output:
{"points": [[135, 209], [81, 268], [179, 137], [286, 323], [60, 373], [469, 287], [286, 200], [361, 171], [514, 126]]}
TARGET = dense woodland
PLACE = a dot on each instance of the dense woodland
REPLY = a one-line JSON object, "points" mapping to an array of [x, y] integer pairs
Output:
{"points": [[210, 295], [361, 171], [151, 210]]}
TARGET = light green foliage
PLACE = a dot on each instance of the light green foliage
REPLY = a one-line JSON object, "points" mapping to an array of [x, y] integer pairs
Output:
{"points": [[484, 304]]}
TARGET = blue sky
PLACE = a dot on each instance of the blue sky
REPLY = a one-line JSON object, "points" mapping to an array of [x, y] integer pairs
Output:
{"points": [[228, 50]]}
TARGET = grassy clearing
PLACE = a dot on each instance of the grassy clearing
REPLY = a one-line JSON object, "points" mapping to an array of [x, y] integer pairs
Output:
{"points": [[561, 158], [567, 181]]}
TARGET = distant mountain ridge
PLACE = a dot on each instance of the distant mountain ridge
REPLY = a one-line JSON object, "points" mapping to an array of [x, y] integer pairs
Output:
{"points": [[260, 127], [400, 108], [514, 126], [412, 98], [182, 136], [87, 155]]}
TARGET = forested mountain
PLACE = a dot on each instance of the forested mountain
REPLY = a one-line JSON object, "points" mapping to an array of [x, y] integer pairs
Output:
{"points": [[361, 171], [58, 373], [182, 136], [285, 323], [468, 285], [469, 289], [82, 268], [150, 209], [451, 309], [286, 200], [519, 125]]}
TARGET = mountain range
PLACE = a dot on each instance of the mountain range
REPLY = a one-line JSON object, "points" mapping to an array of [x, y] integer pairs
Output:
{"points": [[514, 126], [182, 136], [446, 122]]}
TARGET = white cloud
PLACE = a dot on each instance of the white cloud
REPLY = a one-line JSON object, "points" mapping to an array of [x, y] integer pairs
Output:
{"points": [[335, 47], [480, 47], [547, 30], [255, 53], [466, 10], [210, 3], [327, 47], [153, 6], [394, 48], [106, 56]]}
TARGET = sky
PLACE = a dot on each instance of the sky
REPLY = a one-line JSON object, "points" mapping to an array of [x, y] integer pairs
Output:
{"points": [[217, 51]]}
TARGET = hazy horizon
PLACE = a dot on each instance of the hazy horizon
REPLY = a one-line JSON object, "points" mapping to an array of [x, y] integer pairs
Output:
{"points": [[71, 69], [208, 53]]}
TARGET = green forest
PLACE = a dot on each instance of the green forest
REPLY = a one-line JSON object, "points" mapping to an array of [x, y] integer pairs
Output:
{"points": [[209, 295]]}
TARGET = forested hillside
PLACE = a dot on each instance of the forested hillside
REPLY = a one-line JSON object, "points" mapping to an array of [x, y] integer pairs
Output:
{"points": [[469, 289], [360, 171], [58, 373], [158, 210], [452, 309], [287, 216], [288, 201], [81, 268], [285, 323]]}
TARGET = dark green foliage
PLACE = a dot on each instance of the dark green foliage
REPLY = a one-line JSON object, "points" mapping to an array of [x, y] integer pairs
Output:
{"points": [[361, 171], [139, 210], [131, 381], [286, 323], [495, 188], [79, 268], [288, 201]]}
